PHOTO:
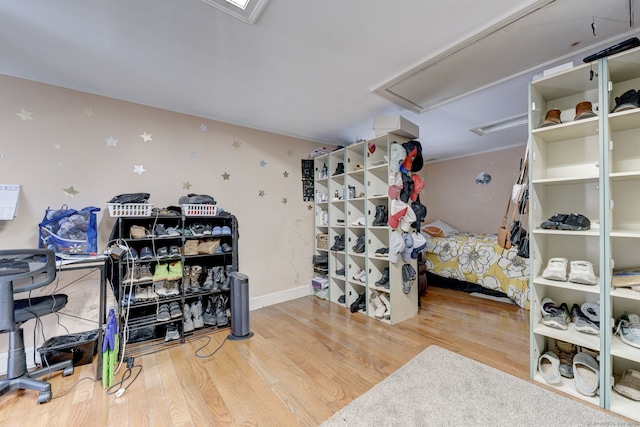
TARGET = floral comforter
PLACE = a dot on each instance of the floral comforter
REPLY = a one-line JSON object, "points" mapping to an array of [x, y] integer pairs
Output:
{"points": [[477, 258]]}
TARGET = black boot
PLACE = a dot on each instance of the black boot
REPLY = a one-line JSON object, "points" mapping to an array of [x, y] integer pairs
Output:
{"points": [[339, 169], [384, 280], [381, 216]]}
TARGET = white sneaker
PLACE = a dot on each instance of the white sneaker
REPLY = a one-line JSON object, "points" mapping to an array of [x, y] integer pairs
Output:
{"points": [[358, 221], [188, 318], [378, 306], [556, 269], [360, 275], [582, 272], [196, 311], [387, 305]]}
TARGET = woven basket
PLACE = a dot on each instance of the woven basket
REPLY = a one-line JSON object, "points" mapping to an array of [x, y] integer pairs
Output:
{"points": [[322, 241]]}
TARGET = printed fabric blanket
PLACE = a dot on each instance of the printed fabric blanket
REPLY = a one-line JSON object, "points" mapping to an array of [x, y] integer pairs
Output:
{"points": [[477, 258]]}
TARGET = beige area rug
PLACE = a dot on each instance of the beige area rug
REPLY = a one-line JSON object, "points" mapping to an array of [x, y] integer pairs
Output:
{"points": [[442, 388]]}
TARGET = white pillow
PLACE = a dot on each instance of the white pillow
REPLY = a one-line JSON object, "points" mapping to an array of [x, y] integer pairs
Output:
{"points": [[446, 228]]}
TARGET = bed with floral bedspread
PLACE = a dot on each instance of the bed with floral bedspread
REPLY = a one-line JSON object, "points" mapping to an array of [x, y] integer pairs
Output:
{"points": [[478, 259]]}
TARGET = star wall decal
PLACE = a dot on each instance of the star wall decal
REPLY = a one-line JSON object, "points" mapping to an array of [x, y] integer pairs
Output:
{"points": [[111, 142], [261, 193], [290, 153], [138, 169], [56, 146], [88, 111], [70, 192], [186, 185], [263, 163], [284, 200], [203, 127], [193, 154], [225, 176], [146, 136], [236, 144], [309, 207], [285, 174], [25, 115]]}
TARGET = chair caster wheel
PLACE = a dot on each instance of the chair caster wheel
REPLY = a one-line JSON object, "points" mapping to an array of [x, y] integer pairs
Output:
{"points": [[67, 371], [44, 396]]}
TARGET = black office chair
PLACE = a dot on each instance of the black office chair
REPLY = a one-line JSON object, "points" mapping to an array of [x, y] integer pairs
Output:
{"points": [[22, 270]]}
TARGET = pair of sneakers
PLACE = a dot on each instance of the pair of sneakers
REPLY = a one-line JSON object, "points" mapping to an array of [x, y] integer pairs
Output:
{"points": [[580, 271]]}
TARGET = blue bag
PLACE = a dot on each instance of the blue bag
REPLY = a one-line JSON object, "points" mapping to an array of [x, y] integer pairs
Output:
{"points": [[68, 231]]}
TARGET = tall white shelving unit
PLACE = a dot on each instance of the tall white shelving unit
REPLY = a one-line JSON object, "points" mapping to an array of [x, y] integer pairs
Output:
{"points": [[342, 199], [590, 166]]}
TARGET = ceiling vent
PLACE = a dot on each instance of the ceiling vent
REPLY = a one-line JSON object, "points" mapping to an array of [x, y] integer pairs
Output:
{"points": [[546, 30]]}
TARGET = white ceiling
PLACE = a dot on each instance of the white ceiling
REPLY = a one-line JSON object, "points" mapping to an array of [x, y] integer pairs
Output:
{"points": [[305, 68]]}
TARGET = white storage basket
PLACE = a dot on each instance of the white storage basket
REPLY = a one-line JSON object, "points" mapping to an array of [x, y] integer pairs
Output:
{"points": [[199, 210], [129, 209]]}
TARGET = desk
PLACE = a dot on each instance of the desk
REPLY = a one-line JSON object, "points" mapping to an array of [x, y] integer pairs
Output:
{"points": [[89, 263]]}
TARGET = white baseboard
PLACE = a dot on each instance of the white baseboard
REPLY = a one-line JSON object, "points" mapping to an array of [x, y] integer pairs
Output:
{"points": [[30, 363], [278, 297]]}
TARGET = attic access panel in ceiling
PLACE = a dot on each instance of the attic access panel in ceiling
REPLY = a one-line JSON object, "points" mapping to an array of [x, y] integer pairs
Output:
{"points": [[547, 30]]}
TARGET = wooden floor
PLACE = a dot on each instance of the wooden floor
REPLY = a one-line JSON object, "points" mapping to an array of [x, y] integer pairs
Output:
{"points": [[307, 359]]}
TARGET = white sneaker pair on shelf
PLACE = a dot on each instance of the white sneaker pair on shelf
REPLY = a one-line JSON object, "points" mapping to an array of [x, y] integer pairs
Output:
{"points": [[580, 272]]}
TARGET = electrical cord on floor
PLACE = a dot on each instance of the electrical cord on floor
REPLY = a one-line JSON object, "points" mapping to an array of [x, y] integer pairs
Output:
{"points": [[73, 386], [119, 388], [214, 351]]}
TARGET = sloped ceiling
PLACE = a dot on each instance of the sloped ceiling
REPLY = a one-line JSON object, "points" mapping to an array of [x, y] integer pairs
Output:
{"points": [[305, 68]]}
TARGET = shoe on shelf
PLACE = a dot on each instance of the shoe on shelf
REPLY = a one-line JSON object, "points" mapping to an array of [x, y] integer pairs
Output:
{"points": [[629, 384], [226, 230], [175, 271], [582, 272], [592, 311], [384, 280], [173, 231], [586, 371], [340, 271], [162, 252], [575, 222], [358, 221], [188, 319], [381, 216], [582, 323], [358, 303], [144, 273], [556, 269], [221, 310], [172, 332], [174, 251], [377, 305], [629, 329], [216, 231], [163, 314], [197, 229], [209, 315], [549, 367], [554, 222], [160, 231], [174, 310], [359, 246], [161, 272], [196, 311], [387, 305], [145, 253], [553, 315], [382, 252], [565, 352], [359, 275]]}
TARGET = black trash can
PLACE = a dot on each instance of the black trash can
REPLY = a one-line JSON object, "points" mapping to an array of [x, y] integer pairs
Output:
{"points": [[80, 347]]}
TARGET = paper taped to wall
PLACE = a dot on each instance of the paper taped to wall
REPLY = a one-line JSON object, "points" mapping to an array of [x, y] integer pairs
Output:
{"points": [[8, 201]]}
